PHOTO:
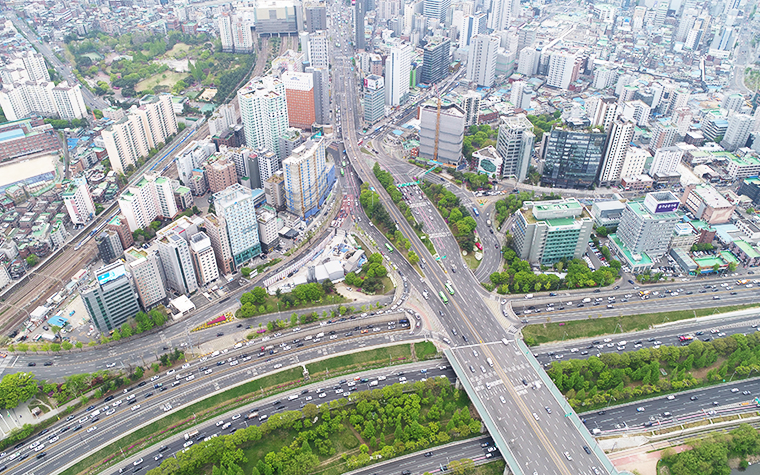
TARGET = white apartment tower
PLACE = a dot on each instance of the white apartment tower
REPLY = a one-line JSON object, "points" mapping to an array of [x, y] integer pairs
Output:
{"points": [[147, 273], [78, 201], [397, 69], [737, 133], [35, 66], [146, 200], [317, 54], [204, 260], [69, 102], [665, 161], [481, 60], [563, 69], [529, 60], [176, 260], [618, 143], [502, 13], [264, 111], [471, 106], [305, 173], [225, 32], [216, 229]]}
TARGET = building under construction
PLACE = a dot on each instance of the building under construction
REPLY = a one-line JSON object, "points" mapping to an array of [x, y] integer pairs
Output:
{"points": [[441, 132]]}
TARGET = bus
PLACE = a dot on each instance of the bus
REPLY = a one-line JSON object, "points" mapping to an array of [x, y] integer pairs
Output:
{"points": [[443, 297], [361, 141], [449, 287], [389, 247], [344, 163], [475, 210], [342, 173]]}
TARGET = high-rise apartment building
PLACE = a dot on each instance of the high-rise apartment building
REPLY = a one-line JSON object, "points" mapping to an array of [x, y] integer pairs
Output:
{"points": [[374, 98], [306, 178], [528, 61], [268, 232], [618, 143], [397, 69], [204, 260], [148, 199], [147, 275], [111, 300], [546, 232], [515, 145], [472, 25], [69, 103], [521, 95], [145, 127], [572, 157], [236, 207], [435, 61], [317, 53], [446, 129], [224, 23], [220, 172], [235, 33], [471, 106], [216, 229], [109, 246], [119, 225], [646, 226], [264, 111], [192, 156], [299, 92], [22, 99], [737, 132], [78, 201], [502, 13], [564, 67], [174, 251], [665, 161], [481, 60]]}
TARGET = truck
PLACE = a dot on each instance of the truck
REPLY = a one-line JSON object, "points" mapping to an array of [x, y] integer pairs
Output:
{"points": [[586, 300], [190, 435]]}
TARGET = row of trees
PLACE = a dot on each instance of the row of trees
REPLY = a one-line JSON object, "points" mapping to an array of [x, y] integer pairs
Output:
{"points": [[456, 215], [257, 301], [386, 179], [388, 422], [596, 380], [709, 456]]}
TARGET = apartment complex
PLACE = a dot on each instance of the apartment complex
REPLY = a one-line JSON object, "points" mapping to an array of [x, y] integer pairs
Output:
{"points": [[236, 208], [264, 111], [306, 178], [78, 201], [146, 200], [147, 275], [204, 260], [174, 251], [22, 99]]}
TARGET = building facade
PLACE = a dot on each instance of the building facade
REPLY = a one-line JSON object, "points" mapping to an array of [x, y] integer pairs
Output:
{"points": [[236, 206], [111, 300], [572, 158], [264, 112]]}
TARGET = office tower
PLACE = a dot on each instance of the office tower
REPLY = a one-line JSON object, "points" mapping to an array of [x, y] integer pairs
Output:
{"points": [[204, 261], [220, 172], [724, 40], [264, 110], [546, 232], [618, 143], [359, 13], [472, 25], [321, 80], [374, 98], [449, 125], [274, 190], [306, 178], [646, 226], [737, 132], [436, 9], [109, 246], [316, 17], [174, 251], [147, 275], [733, 102], [481, 60], [528, 62], [119, 225], [299, 92], [572, 157], [317, 50], [145, 127], [515, 145], [521, 95], [236, 207], [665, 161], [69, 103], [526, 37], [604, 77], [148, 199], [216, 230], [471, 106], [78, 201], [435, 62], [502, 13], [397, 69], [111, 300], [268, 232], [564, 67]]}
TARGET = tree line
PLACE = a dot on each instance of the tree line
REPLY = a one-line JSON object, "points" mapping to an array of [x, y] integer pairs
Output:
{"points": [[456, 215], [371, 274]]}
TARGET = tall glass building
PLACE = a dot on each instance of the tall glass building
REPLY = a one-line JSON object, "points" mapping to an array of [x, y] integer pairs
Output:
{"points": [[572, 158]]}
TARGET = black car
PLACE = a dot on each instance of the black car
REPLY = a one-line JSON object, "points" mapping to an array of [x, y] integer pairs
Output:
{"points": [[220, 334], [219, 363], [39, 456], [44, 431], [90, 408], [693, 398], [588, 451], [47, 363], [109, 398], [23, 456], [142, 383], [163, 448], [148, 394], [601, 413], [77, 427], [32, 363], [63, 429], [428, 454]]}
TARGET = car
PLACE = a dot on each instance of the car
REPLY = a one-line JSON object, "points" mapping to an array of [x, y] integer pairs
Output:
{"points": [[92, 429], [548, 409], [47, 363], [428, 454], [586, 449], [39, 456], [220, 334], [746, 393], [137, 462], [158, 457], [601, 413], [135, 407], [77, 427], [670, 398], [31, 363], [693, 398], [567, 456]]}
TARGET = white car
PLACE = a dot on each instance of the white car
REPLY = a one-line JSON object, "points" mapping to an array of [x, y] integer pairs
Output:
{"points": [[158, 457], [135, 407], [381, 378], [323, 395], [154, 378], [42, 446], [137, 462], [338, 391], [236, 417], [278, 366], [234, 363], [190, 378], [117, 403], [170, 372], [53, 439], [186, 365], [333, 337], [208, 371], [220, 423], [309, 398], [93, 428], [187, 444], [110, 411]]}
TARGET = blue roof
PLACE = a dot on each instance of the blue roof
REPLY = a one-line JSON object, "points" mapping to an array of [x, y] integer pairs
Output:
{"points": [[58, 321], [11, 134]]}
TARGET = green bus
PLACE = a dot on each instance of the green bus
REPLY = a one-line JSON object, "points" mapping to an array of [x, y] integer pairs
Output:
{"points": [[389, 247], [443, 297], [449, 288], [342, 173]]}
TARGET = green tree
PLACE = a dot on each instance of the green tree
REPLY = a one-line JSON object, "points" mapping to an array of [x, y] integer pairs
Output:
{"points": [[16, 388], [32, 260]]}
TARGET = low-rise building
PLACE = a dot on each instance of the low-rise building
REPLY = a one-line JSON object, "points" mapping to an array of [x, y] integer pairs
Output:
{"points": [[707, 204]]}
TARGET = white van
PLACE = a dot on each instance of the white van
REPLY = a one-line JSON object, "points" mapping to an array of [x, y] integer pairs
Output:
{"points": [[292, 397], [490, 363]]}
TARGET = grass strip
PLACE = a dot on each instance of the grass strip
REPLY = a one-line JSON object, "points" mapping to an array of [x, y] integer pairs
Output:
{"points": [[209, 407], [424, 350], [548, 331]]}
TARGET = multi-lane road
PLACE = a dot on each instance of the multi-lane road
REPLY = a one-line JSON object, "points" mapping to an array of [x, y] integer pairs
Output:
{"points": [[144, 403]]}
